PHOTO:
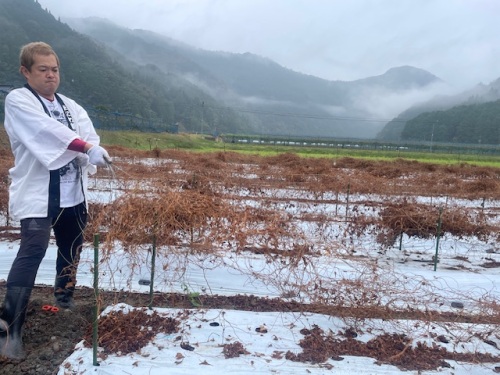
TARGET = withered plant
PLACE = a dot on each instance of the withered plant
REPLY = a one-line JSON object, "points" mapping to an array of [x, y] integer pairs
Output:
{"points": [[196, 208]]}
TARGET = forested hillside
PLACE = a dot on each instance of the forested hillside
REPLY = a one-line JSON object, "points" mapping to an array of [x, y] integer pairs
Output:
{"points": [[105, 82], [479, 118], [475, 123]]}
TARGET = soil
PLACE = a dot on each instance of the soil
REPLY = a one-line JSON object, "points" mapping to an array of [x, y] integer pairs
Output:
{"points": [[49, 338]]}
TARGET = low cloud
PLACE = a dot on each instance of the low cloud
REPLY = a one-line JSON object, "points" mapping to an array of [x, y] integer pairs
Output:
{"points": [[334, 40], [384, 104]]}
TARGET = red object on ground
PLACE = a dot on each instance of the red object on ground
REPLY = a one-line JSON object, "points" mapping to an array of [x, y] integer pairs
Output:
{"points": [[50, 308]]}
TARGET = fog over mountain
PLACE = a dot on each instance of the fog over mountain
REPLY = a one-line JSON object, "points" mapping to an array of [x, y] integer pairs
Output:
{"points": [[154, 82], [280, 100], [441, 104], [457, 40]]}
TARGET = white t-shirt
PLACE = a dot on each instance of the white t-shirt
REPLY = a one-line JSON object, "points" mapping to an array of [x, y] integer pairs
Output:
{"points": [[71, 192]]}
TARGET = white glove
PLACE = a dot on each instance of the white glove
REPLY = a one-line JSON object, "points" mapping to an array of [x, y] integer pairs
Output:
{"points": [[82, 160], [98, 156]]}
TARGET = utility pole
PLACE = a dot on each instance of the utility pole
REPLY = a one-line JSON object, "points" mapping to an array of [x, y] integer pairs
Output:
{"points": [[202, 116], [432, 134]]}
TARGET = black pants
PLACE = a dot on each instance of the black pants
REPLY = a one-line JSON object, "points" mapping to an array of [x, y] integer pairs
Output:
{"points": [[68, 228]]}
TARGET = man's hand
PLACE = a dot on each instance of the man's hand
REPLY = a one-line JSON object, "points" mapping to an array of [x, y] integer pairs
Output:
{"points": [[82, 160], [98, 156]]}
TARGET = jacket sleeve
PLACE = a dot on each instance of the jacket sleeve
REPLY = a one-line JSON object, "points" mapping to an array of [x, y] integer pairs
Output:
{"points": [[29, 127], [83, 123]]}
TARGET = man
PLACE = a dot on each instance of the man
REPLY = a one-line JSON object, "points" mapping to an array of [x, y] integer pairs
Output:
{"points": [[55, 145]]}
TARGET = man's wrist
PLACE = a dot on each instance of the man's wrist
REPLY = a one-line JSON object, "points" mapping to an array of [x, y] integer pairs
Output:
{"points": [[78, 145]]}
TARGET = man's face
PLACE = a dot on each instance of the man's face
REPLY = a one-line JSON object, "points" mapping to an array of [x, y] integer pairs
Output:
{"points": [[44, 75]]}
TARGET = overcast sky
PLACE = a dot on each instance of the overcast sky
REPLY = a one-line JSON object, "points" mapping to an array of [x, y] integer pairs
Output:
{"points": [[457, 40]]}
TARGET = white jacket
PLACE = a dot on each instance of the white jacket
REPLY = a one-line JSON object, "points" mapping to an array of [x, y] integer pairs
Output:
{"points": [[40, 144]]}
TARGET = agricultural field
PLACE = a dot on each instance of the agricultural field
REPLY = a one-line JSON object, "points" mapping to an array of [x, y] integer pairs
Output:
{"points": [[356, 241]]}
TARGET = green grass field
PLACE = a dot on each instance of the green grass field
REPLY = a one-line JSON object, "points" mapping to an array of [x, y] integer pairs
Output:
{"points": [[199, 143]]}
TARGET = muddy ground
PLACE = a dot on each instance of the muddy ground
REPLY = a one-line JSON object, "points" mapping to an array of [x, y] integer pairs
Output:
{"points": [[49, 338]]}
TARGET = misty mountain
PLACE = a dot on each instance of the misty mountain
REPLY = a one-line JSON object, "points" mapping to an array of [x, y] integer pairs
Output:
{"points": [[480, 94], [278, 100], [137, 74], [400, 79]]}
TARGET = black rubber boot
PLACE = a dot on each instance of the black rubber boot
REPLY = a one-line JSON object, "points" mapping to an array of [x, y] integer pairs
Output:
{"points": [[63, 292], [12, 321]]}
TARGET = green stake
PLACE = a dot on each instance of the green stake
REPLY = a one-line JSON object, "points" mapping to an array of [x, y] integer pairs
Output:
{"points": [[438, 234], [151, 284], [95, 333]]}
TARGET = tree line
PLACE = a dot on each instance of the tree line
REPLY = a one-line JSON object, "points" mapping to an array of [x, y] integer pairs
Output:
{"points": [[474, 124]]}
